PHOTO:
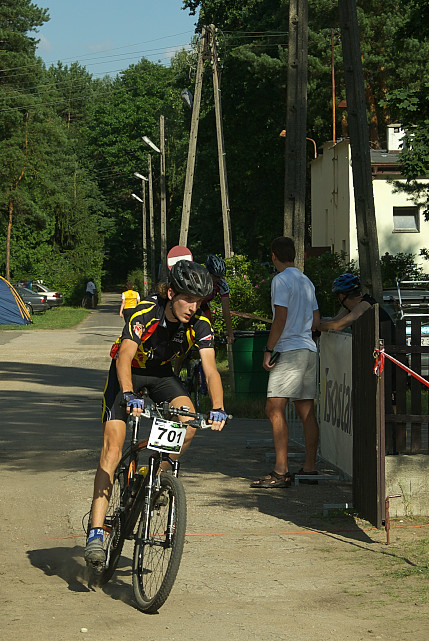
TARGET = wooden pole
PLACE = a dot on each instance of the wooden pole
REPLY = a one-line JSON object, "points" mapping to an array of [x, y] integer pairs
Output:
{"points": [[144, 237], [163, 202], [220, 143], [296, 128], [193, 135], [369, 258], [151, 224]]}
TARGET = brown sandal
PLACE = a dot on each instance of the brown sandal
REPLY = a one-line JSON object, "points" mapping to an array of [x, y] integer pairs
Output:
{"points": [[273, 479]]}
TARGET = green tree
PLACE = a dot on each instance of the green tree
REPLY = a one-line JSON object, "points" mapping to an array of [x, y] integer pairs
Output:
{"points": [[19, 70]]}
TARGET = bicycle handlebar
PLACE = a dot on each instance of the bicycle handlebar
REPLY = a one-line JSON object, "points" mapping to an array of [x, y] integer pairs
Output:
{"points": [[164, 410]]}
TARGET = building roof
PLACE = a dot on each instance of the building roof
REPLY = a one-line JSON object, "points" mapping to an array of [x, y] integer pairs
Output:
{"points": [[384, 162]]}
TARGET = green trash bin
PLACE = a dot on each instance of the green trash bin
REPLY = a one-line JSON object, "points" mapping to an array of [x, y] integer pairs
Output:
{"points": [[250, 378]]}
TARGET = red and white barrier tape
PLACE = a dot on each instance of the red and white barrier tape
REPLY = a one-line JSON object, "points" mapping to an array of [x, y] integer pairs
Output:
{"points": [[379, 366]]}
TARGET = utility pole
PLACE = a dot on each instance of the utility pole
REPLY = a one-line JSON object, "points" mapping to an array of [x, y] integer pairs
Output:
{"points": [[296, 128], [144, 236], [208, 43], [151, 223], [192, 151], [220, 144], [163, 202], [144, 226], [369, 257]]}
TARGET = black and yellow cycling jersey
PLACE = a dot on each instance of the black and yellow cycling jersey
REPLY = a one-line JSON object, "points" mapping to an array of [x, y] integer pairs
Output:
{"points": [[160, 340]]}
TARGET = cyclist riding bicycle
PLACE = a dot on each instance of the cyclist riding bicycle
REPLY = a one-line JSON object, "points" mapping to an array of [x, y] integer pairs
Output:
{"points": [[217, 269], [163, 326]]}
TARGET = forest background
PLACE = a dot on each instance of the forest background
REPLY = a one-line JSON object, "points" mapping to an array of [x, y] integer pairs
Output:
{"points": [[70, 143]]}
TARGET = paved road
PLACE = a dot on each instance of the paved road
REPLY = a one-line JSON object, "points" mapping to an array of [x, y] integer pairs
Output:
{"points": [[233, 583]]}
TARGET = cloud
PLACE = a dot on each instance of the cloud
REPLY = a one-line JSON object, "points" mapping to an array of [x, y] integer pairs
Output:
{"points": [[100, 47], [171, 52], [44, 44]]}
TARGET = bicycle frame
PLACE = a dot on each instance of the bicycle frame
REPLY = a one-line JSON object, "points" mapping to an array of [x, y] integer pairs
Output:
{"points": [[142, 494]]}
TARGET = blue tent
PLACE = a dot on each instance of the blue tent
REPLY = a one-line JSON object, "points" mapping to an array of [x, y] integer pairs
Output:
{"points": [[12, 309]]}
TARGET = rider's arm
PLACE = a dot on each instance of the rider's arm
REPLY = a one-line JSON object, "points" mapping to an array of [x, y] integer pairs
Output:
{"points": [[123, 364], [214, 383], [344, 319], [227, 318], [122, 306]]}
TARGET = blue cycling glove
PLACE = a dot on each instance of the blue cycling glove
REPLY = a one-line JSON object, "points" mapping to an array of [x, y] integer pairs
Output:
{"points": [[218, 415], [133, 401]]}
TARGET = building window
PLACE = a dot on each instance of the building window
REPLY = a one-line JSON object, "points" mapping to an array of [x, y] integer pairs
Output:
{"points": [[406, 219]]}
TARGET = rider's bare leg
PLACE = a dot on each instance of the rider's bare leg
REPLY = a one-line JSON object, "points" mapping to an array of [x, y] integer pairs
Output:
{"points": [[114, 436]]}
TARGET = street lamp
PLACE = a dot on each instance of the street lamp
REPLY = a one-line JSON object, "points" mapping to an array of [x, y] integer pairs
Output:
{"points": [[283, 135], [144, 226], [151, 144], [161, 152]]}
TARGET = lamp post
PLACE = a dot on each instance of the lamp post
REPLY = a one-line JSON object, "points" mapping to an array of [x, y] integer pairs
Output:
{"points": [[283, 135], [144, 226], [161, 152]]}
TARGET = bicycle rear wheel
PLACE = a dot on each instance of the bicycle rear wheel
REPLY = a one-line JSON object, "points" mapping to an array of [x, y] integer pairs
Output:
{"points": [[157, 559]]}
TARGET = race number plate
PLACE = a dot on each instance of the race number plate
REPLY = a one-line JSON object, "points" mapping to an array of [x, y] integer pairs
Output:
{"points": [[166, 436]]}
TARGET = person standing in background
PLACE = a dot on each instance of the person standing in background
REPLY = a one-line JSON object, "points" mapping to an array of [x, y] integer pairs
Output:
{"points": [[130, 299], [91, 289], [291, 358]]}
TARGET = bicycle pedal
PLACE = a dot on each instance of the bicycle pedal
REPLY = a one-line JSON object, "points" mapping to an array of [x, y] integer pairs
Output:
{"points": [[96, 567]]}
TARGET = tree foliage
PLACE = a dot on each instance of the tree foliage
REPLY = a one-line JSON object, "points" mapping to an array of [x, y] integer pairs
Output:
{"points": [[70, 144]]}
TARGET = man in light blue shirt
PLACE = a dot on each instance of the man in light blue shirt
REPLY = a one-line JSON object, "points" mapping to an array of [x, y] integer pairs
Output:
{"points": [[290, 357]]}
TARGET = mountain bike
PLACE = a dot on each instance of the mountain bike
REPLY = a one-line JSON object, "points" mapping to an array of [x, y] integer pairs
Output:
{"points": [[87, 300], [195, 380], [149, 506]]}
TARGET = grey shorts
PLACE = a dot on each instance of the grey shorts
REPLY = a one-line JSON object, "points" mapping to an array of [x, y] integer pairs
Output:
{"points": [[294, 375]]}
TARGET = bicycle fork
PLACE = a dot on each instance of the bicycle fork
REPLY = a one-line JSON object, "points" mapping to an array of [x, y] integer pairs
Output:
{"points": [[154, 484]]}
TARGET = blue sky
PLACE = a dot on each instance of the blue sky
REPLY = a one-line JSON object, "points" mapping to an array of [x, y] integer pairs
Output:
{"points": [[106, 36]]}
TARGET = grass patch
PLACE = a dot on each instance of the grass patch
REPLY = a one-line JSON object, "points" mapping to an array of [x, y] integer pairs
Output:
{"points": [[53, 318]]}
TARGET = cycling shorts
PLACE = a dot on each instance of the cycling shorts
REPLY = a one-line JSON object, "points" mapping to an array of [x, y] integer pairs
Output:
{"points": [[162, 385]]}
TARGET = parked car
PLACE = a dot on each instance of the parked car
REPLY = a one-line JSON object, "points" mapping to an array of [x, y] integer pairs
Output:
{"points": [[55, 298], [33, 301]]}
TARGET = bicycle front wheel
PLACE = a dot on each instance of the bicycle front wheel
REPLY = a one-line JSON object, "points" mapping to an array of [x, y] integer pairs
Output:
{"points": [[156, 560]]}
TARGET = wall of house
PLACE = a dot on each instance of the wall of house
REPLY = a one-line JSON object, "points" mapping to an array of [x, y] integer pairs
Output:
{"points": [[396, 242], [333, 216], [330, 197]]}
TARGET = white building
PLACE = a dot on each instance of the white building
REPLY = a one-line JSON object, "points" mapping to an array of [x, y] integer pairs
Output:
{"points": [[401, 226]]}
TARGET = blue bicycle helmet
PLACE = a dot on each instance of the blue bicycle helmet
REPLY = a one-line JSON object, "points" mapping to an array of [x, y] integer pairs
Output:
{"points": [[345, 284], [216, 266]]}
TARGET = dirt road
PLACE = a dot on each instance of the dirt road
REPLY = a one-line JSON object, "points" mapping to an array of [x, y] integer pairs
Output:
{"points": [[257, 565]]}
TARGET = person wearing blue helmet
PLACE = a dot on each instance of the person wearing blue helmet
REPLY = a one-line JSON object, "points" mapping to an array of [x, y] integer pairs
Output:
{"points": [[217, 268], [347, 288]]}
